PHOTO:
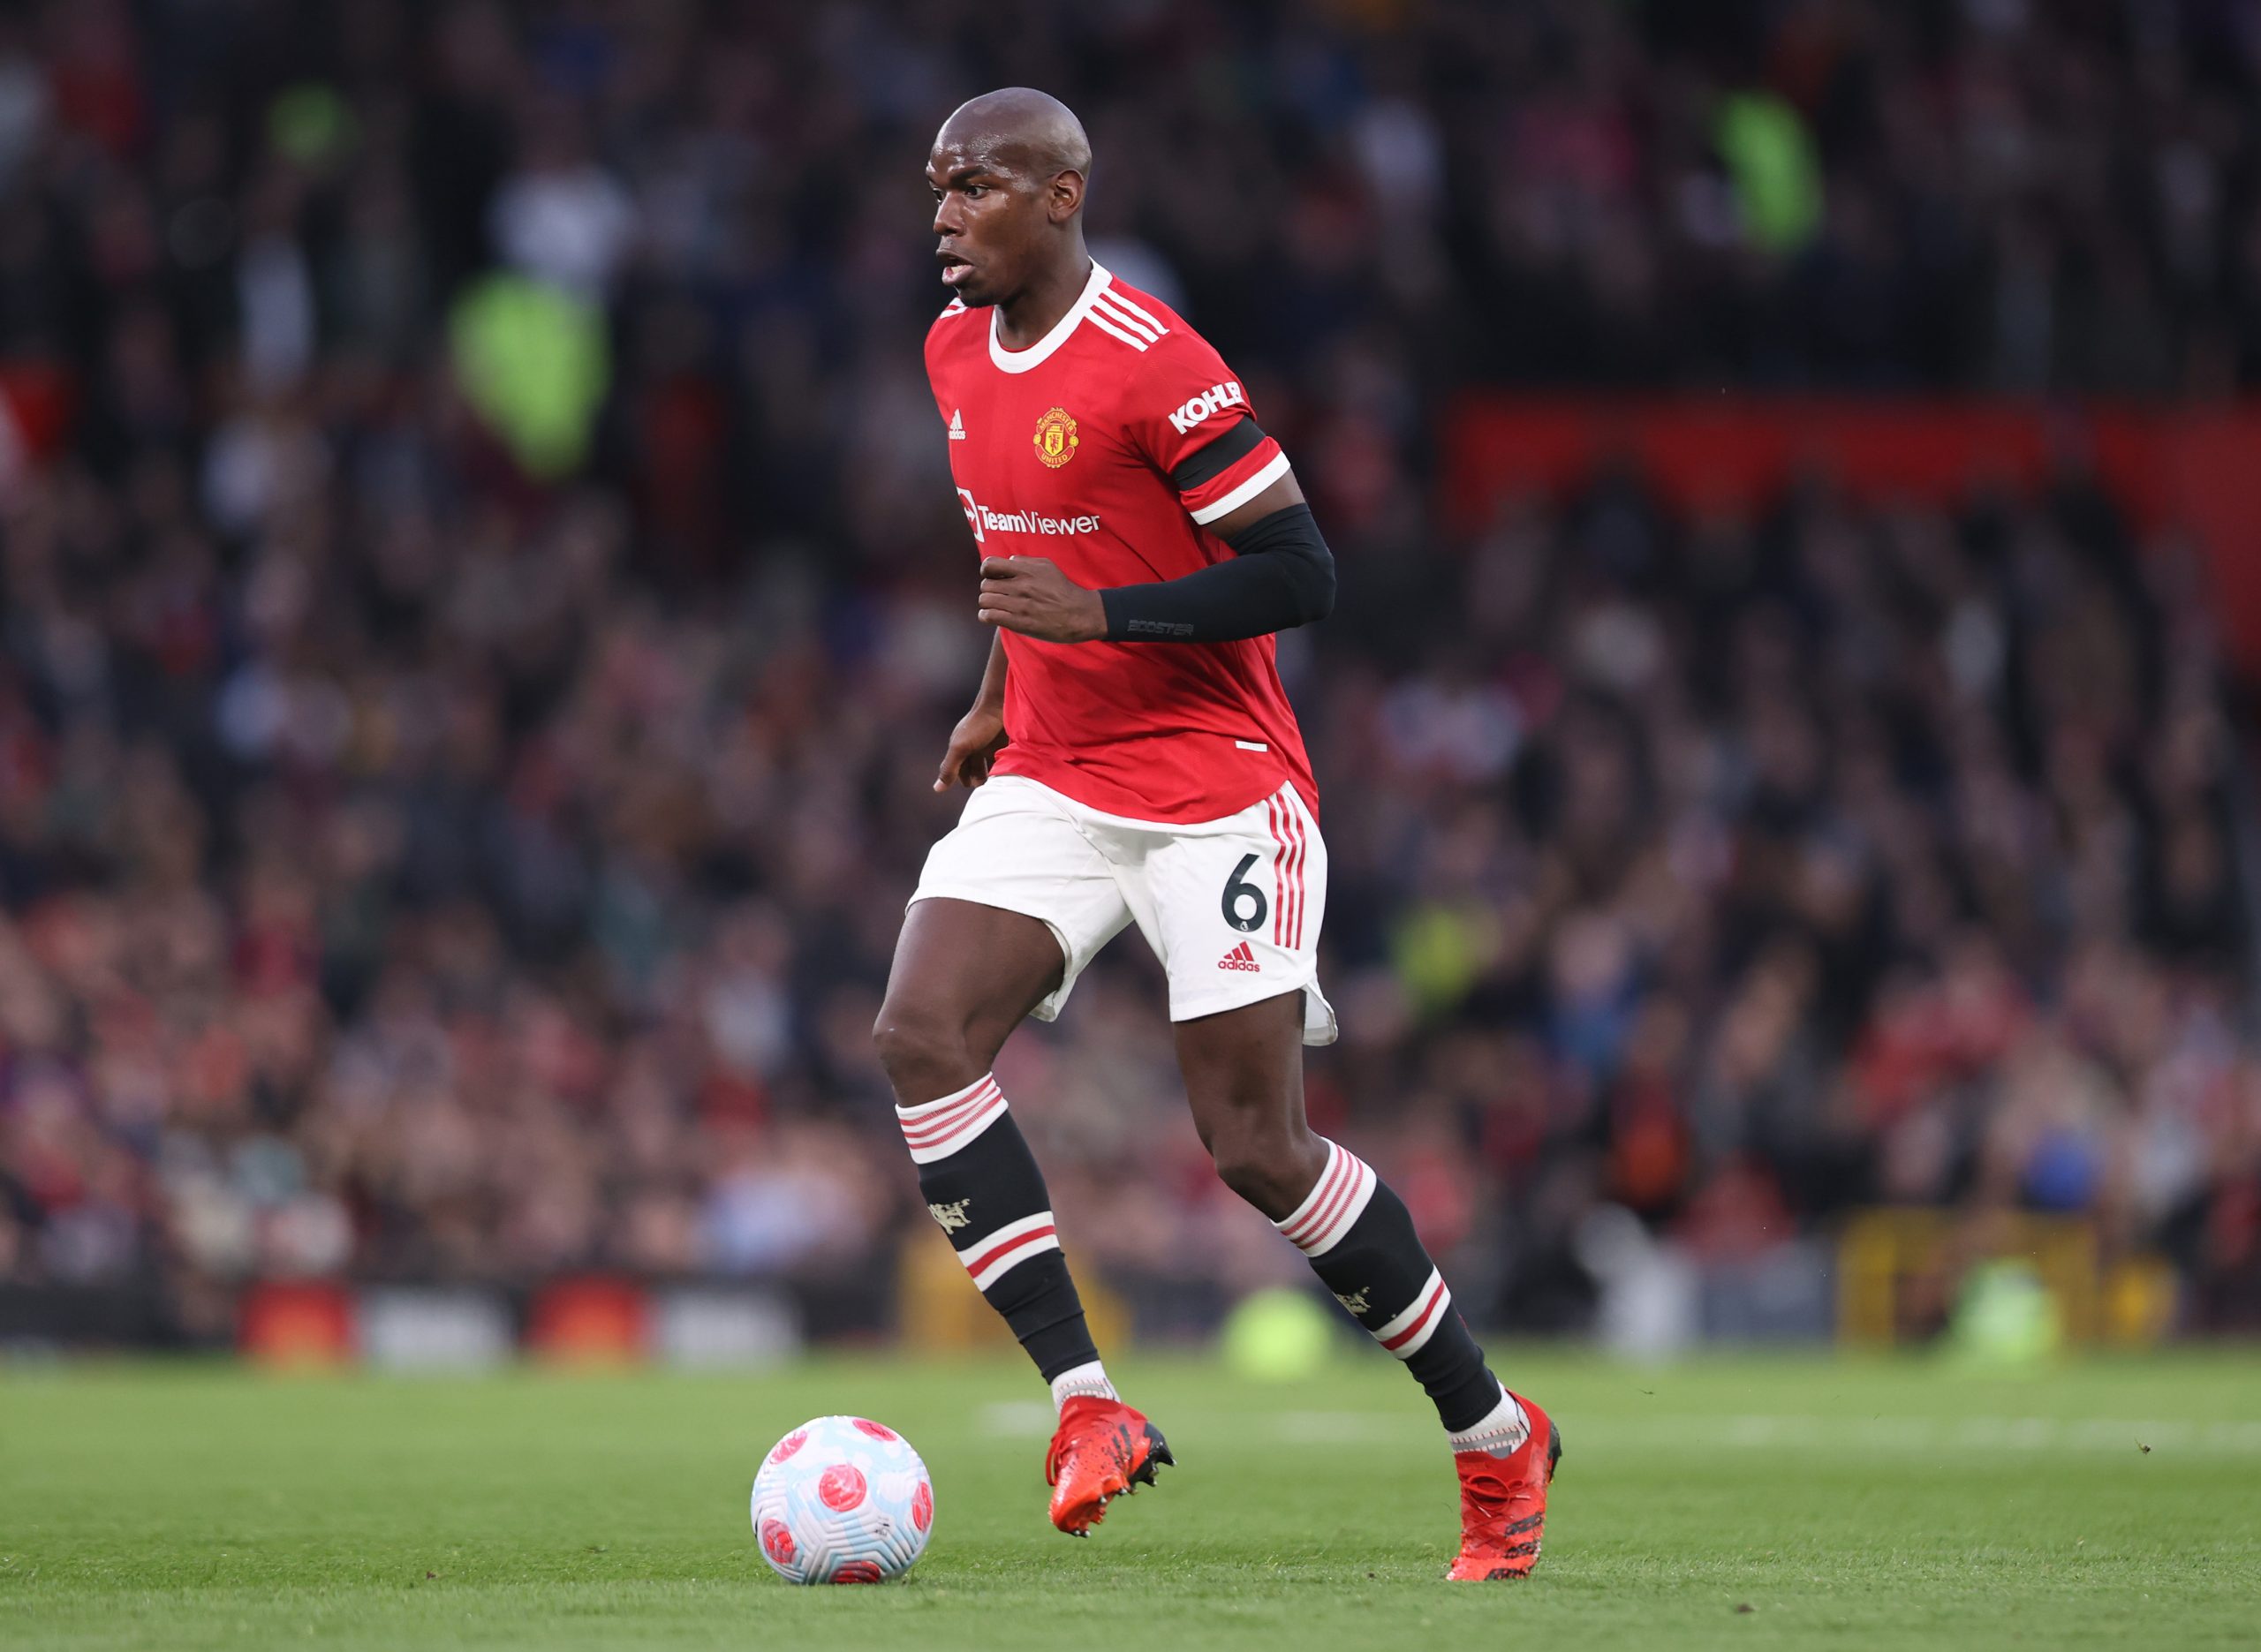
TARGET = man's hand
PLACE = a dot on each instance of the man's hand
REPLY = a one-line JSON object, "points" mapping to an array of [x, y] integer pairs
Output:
{"points": [[1029, 594], [979, 736]]}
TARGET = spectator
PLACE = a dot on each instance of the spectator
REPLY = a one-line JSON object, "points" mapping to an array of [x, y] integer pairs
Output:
{"points": [[411, 866]]}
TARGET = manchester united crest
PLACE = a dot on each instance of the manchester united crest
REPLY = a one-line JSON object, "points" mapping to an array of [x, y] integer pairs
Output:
{"points": [[1055, 438]]}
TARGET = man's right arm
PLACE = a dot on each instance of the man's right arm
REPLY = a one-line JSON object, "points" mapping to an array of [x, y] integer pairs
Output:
{"points": [[980, 733]]}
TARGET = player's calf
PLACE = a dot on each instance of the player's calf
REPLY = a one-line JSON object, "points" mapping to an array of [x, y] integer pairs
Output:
{"points": [[983, 1189], [1358, 1238], [1270, 1168], [982, 1186]]}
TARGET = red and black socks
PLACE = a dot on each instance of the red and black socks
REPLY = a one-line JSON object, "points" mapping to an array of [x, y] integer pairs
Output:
{"points": [[1358, 1238], [981, 1184]]}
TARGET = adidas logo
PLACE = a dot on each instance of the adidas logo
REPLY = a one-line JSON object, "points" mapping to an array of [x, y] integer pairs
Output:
{"points": [[957, 425], [1240, 958]]}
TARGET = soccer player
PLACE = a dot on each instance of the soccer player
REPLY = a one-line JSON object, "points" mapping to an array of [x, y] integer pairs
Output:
{"points": [[1133, 758]]}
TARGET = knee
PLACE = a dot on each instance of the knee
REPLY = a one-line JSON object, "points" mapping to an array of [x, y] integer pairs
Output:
{"points": [[1270, 1164], [923, 1050]]}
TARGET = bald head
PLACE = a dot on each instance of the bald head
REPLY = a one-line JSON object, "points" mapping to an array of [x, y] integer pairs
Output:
{"points": [[1019, 125], [1007, 172]]}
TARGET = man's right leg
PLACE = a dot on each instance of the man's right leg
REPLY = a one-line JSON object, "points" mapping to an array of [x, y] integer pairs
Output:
{"points": [[964, 975]]}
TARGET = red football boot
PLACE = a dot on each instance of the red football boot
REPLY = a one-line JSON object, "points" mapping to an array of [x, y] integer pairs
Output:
{"points": [[1101, 1449], [1503, 1503]]}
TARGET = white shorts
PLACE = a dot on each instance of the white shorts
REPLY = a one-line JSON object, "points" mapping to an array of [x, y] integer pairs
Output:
{"points": [[1231, 906]]}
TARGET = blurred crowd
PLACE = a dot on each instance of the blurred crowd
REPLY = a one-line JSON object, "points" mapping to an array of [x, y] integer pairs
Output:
{"points": [[459, 784]]}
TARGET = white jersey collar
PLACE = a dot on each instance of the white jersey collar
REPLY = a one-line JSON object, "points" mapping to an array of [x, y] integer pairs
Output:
{"points": [[1022, 360]]}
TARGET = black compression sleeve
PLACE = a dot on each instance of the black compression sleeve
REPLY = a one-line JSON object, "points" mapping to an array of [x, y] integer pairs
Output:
{"points": [[1282, 576]]}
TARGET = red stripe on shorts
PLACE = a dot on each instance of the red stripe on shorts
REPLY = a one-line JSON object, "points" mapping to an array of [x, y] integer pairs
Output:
{"points": [[1295, 867], [1278, 871]]}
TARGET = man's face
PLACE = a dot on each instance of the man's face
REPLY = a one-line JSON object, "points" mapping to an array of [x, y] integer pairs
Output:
{"points": [[991, 214]]}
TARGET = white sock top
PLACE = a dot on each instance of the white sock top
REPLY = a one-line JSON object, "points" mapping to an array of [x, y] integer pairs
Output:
{"points": [[1088, 1379], [1501, 1432]]}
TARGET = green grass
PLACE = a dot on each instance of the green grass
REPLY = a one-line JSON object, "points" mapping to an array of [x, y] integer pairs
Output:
{"points": [[1760, 1503]]}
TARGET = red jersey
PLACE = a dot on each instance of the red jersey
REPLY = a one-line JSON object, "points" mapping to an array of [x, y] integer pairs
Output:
{"points": [[1067, 449]]}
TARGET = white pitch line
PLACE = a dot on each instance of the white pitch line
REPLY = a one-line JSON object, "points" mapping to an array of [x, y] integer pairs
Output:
{"points": [[1018, 1419], [1893, 1434], [1887, 1435]]}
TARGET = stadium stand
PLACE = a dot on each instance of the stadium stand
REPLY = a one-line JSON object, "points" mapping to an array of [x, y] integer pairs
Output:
{"points": [[481, 601]]}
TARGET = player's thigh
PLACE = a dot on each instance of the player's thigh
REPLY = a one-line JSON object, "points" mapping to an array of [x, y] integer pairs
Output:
{"points": [[1244, 1083], [1011, 905], [1233, 910], [977, 971], [1243, 1069]]}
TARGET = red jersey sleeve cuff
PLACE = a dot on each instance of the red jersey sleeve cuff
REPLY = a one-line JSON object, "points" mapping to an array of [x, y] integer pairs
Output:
{"points": [[1237, 483]]}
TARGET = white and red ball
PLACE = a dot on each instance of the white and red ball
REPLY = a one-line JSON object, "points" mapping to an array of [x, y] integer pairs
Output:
{"points": [[842, 1500]]}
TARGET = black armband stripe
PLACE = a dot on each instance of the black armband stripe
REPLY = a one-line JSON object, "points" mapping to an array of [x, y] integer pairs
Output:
{"points": [[1241, 438]]}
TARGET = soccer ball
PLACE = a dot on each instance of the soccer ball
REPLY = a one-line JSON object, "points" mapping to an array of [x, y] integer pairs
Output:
{"points": [[842, 1500]]}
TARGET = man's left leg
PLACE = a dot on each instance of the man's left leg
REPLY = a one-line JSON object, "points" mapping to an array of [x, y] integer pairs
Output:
{"points": [[1244, 1077]]}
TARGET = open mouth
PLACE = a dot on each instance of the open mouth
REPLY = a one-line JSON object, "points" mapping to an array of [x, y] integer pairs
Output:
{"points": [[954, 270]]}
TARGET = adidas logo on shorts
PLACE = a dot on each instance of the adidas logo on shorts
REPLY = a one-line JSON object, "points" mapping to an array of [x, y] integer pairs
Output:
{"points": [[1240, 958]]}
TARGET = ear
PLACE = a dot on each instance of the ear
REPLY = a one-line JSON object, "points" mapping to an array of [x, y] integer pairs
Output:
{"points": [[1064, 196]]}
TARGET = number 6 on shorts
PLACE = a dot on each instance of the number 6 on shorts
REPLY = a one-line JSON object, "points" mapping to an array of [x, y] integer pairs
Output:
{"points": [[1237, 891]]}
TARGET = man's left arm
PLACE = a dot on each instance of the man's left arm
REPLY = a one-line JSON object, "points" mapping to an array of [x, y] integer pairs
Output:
{"points": [[1281, 576]]}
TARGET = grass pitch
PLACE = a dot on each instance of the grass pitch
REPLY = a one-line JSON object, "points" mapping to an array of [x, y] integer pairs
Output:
{"points": [[1758, 1502]]}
